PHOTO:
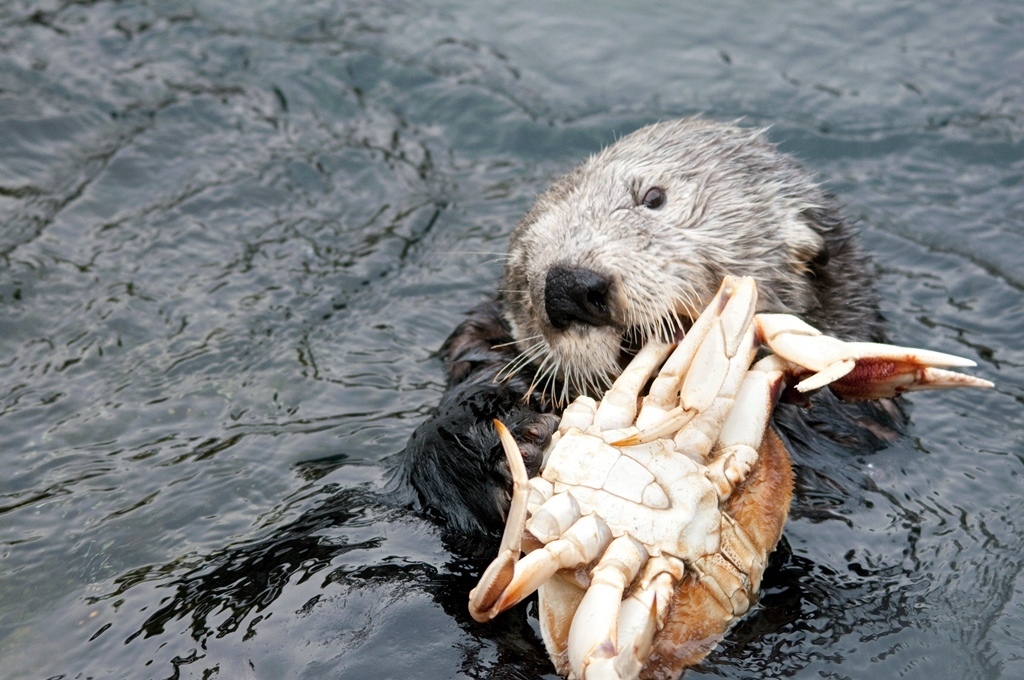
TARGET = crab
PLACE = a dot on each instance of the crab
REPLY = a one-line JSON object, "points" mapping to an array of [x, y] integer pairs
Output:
{"points": [[647, 532]]}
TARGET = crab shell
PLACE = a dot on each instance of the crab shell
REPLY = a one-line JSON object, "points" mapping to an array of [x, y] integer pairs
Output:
{"points": [[696, 619], [648, 530]]}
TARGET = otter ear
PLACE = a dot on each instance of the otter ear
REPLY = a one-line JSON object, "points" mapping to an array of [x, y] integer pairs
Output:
{"points": [[808, 250], [820, 259]]}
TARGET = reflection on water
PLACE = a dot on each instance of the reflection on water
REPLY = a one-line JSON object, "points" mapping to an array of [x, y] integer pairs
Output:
{"points": [[233, 234]]}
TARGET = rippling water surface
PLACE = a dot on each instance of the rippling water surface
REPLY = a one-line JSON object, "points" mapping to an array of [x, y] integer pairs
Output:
{"points": [[232, 234]]}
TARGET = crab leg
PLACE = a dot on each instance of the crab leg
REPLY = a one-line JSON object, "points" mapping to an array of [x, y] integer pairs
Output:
{"points": [[715, 361], [643, 613], [740, 436], [578, 414], [483, 599], [663, 396], [860, 370], [582, 543], [698, 437], [617, 409], [728, 338], [593, 634]]}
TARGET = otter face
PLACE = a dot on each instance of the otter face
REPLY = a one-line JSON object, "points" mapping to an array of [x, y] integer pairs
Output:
{"points": [[633, 243]]}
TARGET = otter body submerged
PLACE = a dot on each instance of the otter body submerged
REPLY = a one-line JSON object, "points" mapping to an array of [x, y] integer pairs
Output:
{"points": [[631, 245]]}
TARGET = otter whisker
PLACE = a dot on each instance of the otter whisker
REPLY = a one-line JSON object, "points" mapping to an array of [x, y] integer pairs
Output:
{"points": [[521, 360], [690, 300], [513, 342], [538, 374], [551, 384], [495, 253]]}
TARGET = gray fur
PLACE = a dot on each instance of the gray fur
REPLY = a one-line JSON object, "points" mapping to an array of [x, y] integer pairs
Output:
{"points": [[735, 205]]}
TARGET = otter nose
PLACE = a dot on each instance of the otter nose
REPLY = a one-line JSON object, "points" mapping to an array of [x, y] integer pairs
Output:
{"points": [[574, 294]]}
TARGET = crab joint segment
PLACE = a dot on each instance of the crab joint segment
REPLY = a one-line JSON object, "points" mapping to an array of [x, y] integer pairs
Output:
{"points": [[594, 630]]}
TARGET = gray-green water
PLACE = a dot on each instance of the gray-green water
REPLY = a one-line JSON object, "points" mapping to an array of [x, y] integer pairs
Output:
{"points": [[232, 234]]}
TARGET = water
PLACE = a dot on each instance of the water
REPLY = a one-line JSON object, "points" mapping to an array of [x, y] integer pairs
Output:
{"points": [[234, 233]]}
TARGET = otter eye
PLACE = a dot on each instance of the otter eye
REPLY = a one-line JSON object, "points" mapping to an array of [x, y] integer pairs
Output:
{"points": [[654, 198]]}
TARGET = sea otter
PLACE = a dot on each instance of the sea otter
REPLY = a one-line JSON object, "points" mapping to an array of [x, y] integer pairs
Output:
{"points": [[629, 246]]}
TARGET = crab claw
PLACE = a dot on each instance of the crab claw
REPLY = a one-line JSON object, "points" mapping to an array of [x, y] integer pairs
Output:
{"points": [[486, 599], [860, 370]]}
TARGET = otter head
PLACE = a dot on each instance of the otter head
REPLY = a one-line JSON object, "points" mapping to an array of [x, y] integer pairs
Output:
{"points": [[633, 244]]}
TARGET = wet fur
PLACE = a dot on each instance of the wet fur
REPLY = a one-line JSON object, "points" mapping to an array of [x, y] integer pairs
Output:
{"points": [[735, 205]]}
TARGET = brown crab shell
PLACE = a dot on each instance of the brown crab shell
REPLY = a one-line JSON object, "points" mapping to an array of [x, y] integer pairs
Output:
{"points": [[695, 621]]}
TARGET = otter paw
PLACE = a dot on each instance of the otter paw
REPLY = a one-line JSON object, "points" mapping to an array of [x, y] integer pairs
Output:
{"points": [[532, 432]]}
